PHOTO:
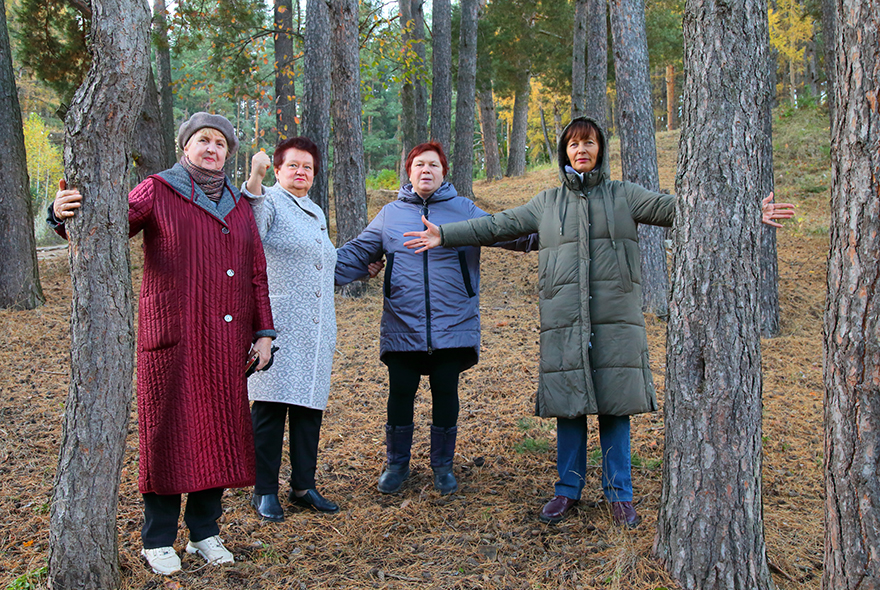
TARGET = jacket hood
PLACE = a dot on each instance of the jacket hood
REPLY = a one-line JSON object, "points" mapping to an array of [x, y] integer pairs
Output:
{"points": [[567, 174], [444, 193]]}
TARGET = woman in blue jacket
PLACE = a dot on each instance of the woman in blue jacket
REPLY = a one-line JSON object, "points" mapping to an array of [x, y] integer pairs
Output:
{"points": [[431, 318]]}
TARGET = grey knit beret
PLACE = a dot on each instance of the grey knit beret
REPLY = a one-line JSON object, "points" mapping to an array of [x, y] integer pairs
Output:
{"points": [[203, 119]]}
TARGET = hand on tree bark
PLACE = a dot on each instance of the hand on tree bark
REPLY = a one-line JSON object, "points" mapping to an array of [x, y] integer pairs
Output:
{"points": [[771, 211], [67, 201]]}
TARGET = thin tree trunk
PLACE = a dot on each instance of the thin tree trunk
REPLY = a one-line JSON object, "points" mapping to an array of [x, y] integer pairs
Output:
{"points": [[441, 94], [463, 156], [710, 530], [488, 122], [285, 87], [148, 143], [852, 309], [551, 154], [829, 34], [578, 57], [769, 260], [638, 150], [349, 178], [19, 274], [597, 62], [316, 96], [82, 536], [671, 122], [516, 161], [163, 81]]}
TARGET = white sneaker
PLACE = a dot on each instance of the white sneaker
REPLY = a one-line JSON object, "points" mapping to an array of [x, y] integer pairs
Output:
{"points": [[163, 560], [211, 549]]}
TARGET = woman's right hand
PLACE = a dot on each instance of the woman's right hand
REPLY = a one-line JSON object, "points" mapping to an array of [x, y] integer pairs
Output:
{"points": [[67, 201], [424, 240], [260, 164]]}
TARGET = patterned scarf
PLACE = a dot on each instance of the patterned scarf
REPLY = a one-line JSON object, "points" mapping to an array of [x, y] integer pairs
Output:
{"points": [[210, 181]]}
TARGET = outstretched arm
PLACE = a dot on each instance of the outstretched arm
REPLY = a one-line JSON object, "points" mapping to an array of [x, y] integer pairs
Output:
{"points": [[771, 211]]}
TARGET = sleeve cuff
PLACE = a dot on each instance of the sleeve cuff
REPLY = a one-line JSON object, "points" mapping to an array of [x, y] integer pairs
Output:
{"points": [[266, 333], [53, 221], [255, 199]]}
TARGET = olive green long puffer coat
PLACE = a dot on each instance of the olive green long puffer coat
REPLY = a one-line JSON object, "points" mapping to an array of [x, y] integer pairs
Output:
{"points": [[594, 349]]}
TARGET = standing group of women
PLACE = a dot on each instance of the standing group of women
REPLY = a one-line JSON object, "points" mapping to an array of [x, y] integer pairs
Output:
{"points": [[215, 257]]}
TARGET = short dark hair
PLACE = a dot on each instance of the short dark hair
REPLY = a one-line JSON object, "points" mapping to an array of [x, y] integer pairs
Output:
{"points": [[297, 143], [431, 146], [582, 128]]}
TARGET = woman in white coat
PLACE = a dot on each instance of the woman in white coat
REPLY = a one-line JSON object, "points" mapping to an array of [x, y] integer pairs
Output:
{"points": [[300, 260]]}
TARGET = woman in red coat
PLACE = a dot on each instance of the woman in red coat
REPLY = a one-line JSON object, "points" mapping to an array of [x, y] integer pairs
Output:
{"points": [[203, 312]]}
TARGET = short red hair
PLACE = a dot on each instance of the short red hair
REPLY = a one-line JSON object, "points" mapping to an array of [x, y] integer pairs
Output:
{"points": [[431, 146]]}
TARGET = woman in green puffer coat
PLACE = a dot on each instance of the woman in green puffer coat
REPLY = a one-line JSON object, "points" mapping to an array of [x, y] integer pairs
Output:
{"points": [[594, 349]]}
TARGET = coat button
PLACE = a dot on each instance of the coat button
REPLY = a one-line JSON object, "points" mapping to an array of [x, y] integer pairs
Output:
{"points": [[227, 318], [317, 293], [225, 230], [230, 273], [319, 266], [316, 320]]}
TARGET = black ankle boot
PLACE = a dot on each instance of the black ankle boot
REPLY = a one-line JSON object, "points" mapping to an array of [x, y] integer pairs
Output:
{"points": [[442, 453], [398, 442]]}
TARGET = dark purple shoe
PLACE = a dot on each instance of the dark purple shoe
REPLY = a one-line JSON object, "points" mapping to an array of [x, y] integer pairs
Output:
{"points": [[624, 514], [556, 509]]}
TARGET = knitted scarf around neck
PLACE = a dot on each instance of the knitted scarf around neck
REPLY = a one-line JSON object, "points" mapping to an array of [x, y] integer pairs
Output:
{"points": [[210, 181]]}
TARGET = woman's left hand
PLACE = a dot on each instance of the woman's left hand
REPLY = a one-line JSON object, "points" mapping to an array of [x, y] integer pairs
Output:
{"points": [[263, 348], [771, 211]]}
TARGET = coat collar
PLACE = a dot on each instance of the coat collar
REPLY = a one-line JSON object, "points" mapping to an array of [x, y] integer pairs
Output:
{"points": [[444, 193], [179, 180]]}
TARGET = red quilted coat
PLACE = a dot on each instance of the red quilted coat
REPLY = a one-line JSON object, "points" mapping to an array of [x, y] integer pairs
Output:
{"points": [[204, 299]]}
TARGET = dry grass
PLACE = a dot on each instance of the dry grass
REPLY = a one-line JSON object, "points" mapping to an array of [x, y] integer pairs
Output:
{"points": [[486, 536]]}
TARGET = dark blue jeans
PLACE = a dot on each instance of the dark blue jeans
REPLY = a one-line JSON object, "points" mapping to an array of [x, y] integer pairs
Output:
{"points": [[571, 457]]}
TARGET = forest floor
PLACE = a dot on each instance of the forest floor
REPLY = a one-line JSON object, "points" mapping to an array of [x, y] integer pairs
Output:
{"points": [[487, 535]]}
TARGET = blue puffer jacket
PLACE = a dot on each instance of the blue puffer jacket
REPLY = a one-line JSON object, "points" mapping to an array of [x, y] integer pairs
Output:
{"points": [[431, 299]]}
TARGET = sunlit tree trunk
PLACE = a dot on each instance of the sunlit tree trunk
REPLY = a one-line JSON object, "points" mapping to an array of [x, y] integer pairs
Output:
{"points": [[710, 529], [852, 308], [82, 536], [516, 159]]}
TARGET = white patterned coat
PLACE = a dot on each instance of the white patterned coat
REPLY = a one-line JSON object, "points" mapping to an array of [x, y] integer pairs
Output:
{"points": [[300, 262]]}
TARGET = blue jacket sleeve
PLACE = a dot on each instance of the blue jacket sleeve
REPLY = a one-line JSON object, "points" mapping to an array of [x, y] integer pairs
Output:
{"points": [[352, 258]]}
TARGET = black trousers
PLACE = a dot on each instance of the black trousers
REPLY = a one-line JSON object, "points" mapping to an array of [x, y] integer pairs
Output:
{"points": [[305, 428], [405, 370], [162, 511]]}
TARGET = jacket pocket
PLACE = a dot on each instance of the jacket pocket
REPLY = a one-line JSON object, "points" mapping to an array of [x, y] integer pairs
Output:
{"points": [[623, 266], [465, 273], [389, 256], [159, 321]]}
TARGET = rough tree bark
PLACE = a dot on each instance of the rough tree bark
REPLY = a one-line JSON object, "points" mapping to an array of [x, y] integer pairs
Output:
{"points": [[441, 93], [710, 530], [488, 121], [19, 274], [516, 159], [463, 156], [413, 97], [82, 535], [163, 81], [148, 144], [769, 286], [829, 34], [638, 149], [671, 106], [578, 57], [349, 177], [316, 95], [285, 88], [597, 62], [852, 309]]}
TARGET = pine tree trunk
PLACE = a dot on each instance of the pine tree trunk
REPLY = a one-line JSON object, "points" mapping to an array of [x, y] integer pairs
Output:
{"points": [[710, 531], [829, 34], [516, 160], [671, 105], [488, 121], [285, 87], [578, 57], [316, 95], [148, 144], [852, 309], [82, 536], [349, 178], [597, 62], [463, 156], [769, 260], [551, 153], [441, 94], [19, 274], [638, 150], [414, 112], [163, 81]]}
